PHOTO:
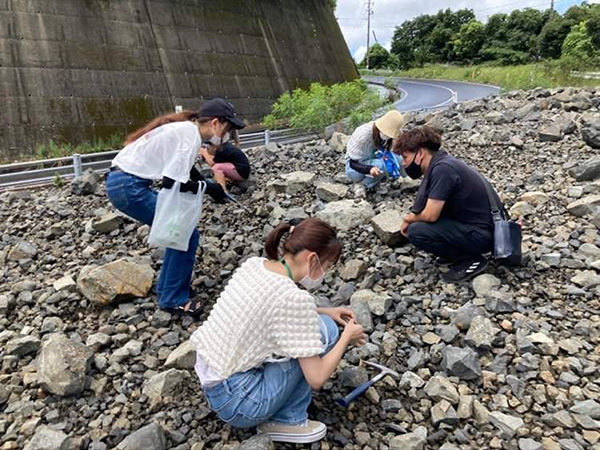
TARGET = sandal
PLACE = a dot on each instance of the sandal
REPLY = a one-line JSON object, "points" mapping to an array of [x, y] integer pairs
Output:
{"points": [[194, 309]]}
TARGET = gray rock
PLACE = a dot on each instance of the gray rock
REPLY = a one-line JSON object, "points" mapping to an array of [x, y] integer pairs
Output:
{"points": [[440, 388], [363, 314], [387, 226], [47, 438], [464, 315], [164, 384], [447, 332], [480, 413], [86, 184], [586, 279], [346, 214], [481, 333], [443, 412], [410, 441], [258, 442], [331, 192], [559, 419], [484, 284], [529, 444], [353, 269], [587, 171], [298, 181], [569, 444], [550, 133], [150, 437], [590, 134], [22, 346], [339, 141], [508, 425], [465, 406], [499, 302], [587, 205], [461, 362], [65, 283], [411, 380], [353, 376], [378, 303], [108, 223], [23, 250], [183, 357], [62, 365], [589, 408]]}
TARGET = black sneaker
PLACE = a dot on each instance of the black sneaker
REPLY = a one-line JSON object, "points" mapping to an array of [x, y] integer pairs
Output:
{"points": [[465, 270]]}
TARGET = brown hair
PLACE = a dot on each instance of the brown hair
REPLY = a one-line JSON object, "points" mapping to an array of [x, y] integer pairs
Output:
{"points": [[170, 118], [378, 141], [413, 140], [310, 234]]}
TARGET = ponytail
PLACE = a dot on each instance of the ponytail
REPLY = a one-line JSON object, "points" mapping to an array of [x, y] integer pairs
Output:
{"points": [[310, 234]]}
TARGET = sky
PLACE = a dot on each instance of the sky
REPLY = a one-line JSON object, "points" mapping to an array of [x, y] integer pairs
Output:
{"points": [[352, 14]]}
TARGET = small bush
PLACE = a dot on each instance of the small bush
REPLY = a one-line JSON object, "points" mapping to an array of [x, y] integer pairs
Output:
{"points": [[52, 149], [320, 105]]}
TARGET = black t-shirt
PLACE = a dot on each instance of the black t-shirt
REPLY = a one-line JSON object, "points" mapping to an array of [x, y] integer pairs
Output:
{"points": [[229, 153], [463, 190]]}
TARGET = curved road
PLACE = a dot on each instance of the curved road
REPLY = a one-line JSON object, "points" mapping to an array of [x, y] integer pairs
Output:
{"points": [[420, 94]]}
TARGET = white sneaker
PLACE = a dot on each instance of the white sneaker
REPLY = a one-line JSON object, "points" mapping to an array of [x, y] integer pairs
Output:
{"points": [[360, 191], [306, 433]]}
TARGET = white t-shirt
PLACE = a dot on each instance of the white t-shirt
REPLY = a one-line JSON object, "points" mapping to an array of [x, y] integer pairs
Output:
{"points": [[360, 146], [167, 151]]}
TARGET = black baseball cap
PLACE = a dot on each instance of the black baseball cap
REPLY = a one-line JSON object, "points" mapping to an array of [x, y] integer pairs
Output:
{"points": [[217, 107]]}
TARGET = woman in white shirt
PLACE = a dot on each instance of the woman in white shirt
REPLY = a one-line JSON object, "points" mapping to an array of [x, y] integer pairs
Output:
{"points": [[362, 165], [166, 149], [266, 346]]}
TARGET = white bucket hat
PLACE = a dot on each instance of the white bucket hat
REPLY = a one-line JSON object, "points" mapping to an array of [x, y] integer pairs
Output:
{"points": [[390, 123]]}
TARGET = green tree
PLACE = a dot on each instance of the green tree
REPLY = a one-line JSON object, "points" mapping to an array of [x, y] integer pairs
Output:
{"points": [[552, 37], [378, 57], [593, 25], [578, 45], [468, 41]]}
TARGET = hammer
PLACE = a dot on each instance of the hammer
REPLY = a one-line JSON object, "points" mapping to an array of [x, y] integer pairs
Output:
{"points": [[358, 391]]}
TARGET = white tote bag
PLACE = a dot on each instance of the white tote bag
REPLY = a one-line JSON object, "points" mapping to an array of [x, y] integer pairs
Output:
{"points": [[177, 214]]}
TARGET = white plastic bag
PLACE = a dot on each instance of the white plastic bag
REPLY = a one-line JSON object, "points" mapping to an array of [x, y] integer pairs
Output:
{"points": [[177, 214]]}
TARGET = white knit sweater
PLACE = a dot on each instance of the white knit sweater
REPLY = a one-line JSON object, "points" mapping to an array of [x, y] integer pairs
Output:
{"points": [[258, 316], [360, 146]]}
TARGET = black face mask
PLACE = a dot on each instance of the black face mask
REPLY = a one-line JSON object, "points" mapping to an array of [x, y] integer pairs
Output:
{"points": [[413, 170]]}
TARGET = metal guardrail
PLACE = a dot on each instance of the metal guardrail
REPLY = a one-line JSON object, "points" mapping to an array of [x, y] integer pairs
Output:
{"points": [[43, 172]]}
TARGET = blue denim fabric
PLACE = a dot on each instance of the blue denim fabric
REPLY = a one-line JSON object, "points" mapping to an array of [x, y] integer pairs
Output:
{"points": [[369, 181], [274, 392], [135, 197]]}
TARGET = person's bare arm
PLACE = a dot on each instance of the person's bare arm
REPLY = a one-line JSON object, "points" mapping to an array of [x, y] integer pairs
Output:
{"points": [[317, 370]]}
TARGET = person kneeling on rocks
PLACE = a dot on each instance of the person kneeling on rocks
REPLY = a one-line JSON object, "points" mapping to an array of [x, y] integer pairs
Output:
{"points": [[451, 216], [364, 165], [266, 346], [228, 163]]}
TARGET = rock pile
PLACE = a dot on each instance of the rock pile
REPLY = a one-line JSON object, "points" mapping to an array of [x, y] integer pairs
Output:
{"points": [[510, 360]]}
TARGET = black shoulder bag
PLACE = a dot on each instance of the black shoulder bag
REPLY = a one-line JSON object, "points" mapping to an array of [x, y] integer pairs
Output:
{"points": [[507, 233]]}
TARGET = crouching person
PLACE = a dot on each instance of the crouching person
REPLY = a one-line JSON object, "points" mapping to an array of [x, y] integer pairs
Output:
{"points": [[266, 346], [451, 216]]}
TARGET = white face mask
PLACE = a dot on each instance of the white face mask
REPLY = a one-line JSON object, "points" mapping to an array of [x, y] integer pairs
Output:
{"points": [[308, 282], [384, 137], [217, 140]]}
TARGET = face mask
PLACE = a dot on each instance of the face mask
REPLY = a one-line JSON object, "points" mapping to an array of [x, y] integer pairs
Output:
{"points": [[217, 140], [413, 170], [383, 137], [226, 138], [308, 282]]}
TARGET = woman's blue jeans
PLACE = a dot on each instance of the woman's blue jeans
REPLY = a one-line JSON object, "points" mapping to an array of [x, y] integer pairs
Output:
{"points": [[135, 197], [368, 180], [274, 392]]}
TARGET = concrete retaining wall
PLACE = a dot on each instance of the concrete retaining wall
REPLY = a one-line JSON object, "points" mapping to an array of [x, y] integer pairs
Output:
{"points": [[76, 70]]}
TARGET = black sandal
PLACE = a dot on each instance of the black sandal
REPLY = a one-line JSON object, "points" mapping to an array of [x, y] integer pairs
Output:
{"points": [[194, 309]]}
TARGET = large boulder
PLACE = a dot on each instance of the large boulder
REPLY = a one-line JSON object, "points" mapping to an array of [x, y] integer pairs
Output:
{"points": [[297, 181], [164, 384], [331, 192], [587, 205], [591, 133], [86, 184], [587, 171], [62, 365], [183, 357], [339, 141], [122, 278], [550, 133], [150, 437], [378, 302], [346, 214], [387, 226], [107, 223], [46, 438]]}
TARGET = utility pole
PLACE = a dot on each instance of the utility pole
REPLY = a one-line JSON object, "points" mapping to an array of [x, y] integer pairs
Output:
{"points": [[368, 29], [552, 7]]}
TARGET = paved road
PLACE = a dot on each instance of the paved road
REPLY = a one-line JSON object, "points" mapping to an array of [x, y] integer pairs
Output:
{"points": [[420, 94]]}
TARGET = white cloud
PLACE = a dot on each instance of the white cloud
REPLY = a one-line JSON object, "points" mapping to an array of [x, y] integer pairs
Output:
{"points": [[387, 14]]}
